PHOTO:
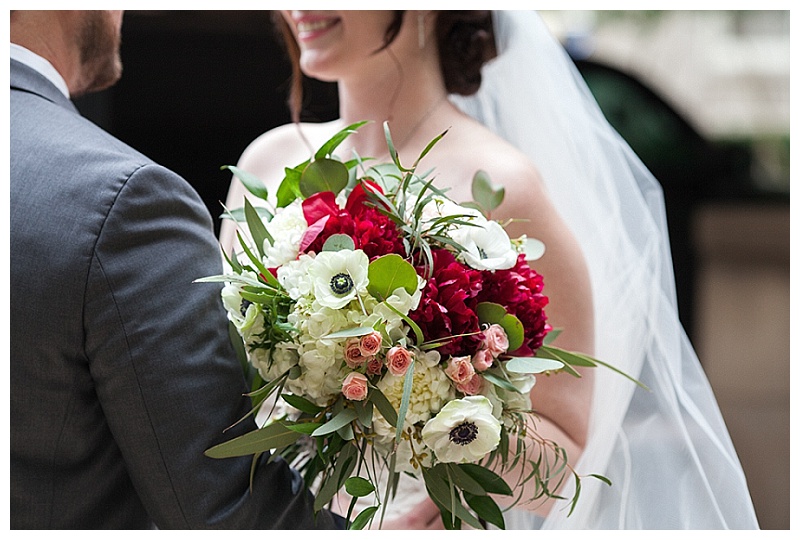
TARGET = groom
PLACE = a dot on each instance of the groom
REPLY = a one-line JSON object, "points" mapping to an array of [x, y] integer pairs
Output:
{"points": [[122, 372]]}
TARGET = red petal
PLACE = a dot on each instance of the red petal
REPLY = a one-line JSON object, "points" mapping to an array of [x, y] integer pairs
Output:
{"points": [[319, 205], [312, 232]]}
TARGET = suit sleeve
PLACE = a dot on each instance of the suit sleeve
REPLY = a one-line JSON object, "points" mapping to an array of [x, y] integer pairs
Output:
{"points": [[166, 374]]}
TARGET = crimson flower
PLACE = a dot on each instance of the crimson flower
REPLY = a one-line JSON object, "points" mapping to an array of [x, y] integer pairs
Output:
{"points": [[447, 306], [519, 290]]}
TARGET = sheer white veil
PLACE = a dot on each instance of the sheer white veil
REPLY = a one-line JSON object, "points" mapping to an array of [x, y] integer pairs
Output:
{"points": [[667, 451]]}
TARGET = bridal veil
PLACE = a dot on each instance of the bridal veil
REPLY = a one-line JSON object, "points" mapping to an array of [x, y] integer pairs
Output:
{"points": [[667, 451]]}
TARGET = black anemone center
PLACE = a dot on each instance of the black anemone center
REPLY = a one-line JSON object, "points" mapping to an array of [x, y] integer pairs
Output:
{"points": [[464, 433], [482, 253], [245, 305], [341, 283]]}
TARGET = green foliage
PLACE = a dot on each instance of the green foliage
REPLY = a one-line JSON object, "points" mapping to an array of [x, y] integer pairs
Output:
{"points": [[491, 313], [323, 175], [252, 183], [487, 195], [267, 438], [388, 273]]}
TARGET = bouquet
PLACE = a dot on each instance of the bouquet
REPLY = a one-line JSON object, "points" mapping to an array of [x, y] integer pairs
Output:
{"points": [[386, 327]]}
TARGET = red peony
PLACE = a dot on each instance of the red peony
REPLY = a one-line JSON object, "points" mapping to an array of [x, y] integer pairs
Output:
{"points": [[447, 306], [371, 231], [519, 290]]}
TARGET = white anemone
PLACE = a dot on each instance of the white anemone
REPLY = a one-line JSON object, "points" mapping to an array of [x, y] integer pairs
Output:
{"points": [[487, 245], [464, 431], [339, 276]]}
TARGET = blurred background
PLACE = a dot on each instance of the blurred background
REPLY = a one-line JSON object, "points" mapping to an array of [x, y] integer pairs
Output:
{"points": [[701, 96]]}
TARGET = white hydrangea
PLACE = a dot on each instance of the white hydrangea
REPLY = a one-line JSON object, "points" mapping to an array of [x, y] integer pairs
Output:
{"points": [[402, 302], [287, 229], [246, 316], [293, 277], [271, 363], [431, 388]]}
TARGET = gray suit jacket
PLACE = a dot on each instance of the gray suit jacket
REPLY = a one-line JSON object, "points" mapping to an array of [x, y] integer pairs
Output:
{"points": [[122, 372]]}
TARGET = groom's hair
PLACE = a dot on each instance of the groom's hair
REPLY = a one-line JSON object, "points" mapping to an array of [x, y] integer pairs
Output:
{"points": [[465, 40]]}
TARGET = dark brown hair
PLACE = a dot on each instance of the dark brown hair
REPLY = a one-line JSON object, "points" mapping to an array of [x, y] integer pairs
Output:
{"points": [[465, 40]]}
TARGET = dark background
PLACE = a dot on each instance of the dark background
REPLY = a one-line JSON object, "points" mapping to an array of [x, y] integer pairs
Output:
{"points": [[197, 88]]}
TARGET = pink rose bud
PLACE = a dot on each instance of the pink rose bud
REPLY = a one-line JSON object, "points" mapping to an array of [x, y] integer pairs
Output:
{"points": [[482, 360], [375, 366], [472, 387], [352, 354], [370, 344], [495, 339], [459, 369], [398, 359], [354, 386]]}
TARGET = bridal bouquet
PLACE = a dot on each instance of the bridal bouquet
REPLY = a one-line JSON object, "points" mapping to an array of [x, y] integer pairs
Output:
{"points": [[387, 327]]}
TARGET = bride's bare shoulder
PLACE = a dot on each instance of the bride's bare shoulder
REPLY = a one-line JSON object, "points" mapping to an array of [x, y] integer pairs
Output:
{"points": [[476, 148], [286, 145]]}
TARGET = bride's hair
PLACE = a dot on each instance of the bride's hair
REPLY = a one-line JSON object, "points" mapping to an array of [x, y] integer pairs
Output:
{"points": [[465, 41]]}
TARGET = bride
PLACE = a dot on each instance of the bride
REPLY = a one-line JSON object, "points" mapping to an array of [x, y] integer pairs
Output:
{"points": [[515, 108]]}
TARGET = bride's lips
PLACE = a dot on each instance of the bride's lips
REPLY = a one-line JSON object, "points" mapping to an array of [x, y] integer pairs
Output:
{"points": [[311, 27]]}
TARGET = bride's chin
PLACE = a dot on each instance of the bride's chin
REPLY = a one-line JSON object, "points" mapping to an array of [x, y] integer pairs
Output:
{"points": [[319, 65]]}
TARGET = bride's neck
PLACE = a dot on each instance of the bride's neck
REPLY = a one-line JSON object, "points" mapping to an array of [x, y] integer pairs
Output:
{"points": [[402, 99]]}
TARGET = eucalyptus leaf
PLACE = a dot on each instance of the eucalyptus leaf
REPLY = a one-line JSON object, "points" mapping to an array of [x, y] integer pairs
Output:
{"points": [[256, 227], [338, 242], [551, 336], [364, 411], [515, 331], [465, 481], [358, 487], [601, 478], [306, 428], [237, 214], [346, 432], [486, 509], [269, 437], [388, 273], [302, 404], [493, 313], [499, 381], [533, 249], [383, 405], [490, 312], [440, 491], [363, 518], [527, 364], [345, 463], [289, 188], [342, 419], [323, 175], [485, 193], [331, 144], [490, 481], [350, 332], [408, 383], [251, 182]]}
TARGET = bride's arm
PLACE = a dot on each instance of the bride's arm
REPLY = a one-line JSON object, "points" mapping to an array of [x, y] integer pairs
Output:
{"points": [[562, 401]]}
